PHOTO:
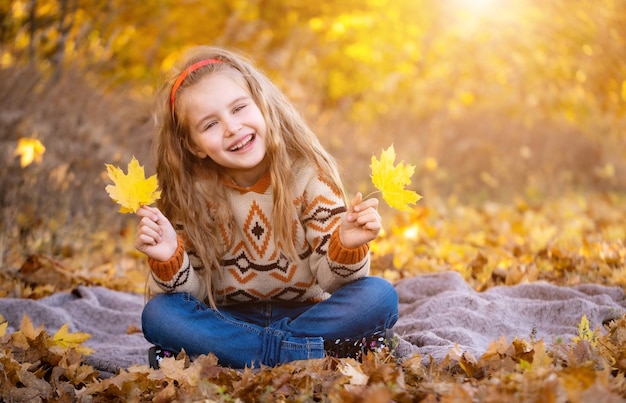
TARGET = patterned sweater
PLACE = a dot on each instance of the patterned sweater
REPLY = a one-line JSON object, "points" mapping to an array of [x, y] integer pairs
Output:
{"points": [[253, 269]]}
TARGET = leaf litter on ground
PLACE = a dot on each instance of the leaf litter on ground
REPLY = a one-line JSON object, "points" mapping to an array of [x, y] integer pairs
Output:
{"points": [[566, 241]]}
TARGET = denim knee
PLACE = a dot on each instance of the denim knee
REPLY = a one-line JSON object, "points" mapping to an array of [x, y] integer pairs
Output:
{"points": [[382, 297], [150, 314], [155, 313]]}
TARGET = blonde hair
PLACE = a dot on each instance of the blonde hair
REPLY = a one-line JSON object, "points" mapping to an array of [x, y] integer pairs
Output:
{"points": [[193, 194]]}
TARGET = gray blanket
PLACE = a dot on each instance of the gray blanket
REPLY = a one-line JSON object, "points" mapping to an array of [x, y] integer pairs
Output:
{"points": [[440, 310], [437, 311], [112, 318]]}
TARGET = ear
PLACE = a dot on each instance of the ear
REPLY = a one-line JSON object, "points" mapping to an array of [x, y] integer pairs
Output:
{"points": [[195, 150], [198, 153]]}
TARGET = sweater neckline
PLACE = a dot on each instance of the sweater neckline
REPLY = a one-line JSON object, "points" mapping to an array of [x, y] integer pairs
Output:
{"points": [[260, 186]]}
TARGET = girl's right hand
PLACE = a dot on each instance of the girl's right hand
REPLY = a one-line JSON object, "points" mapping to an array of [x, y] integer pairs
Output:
{"points": [[155, 235]]}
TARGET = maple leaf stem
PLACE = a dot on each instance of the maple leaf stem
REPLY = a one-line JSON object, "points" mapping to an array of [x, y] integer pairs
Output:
{"points": [[371, 194]]}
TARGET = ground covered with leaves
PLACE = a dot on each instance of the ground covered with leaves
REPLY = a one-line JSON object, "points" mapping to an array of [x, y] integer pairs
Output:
{"points": [[569, 240], [37, 368]]}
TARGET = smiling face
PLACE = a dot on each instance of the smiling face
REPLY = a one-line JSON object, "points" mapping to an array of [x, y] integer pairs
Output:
{"points": [[226, 126]]}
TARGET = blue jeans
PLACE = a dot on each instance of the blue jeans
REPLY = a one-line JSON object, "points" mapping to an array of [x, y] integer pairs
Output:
{"points": [[273, 332]]}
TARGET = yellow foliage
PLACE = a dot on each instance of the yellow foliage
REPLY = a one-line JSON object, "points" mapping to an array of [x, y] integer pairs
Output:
{"points": [[3, 326], [132, 190], [585, 332], [65, 339], [391, 180], [6, 59], [30, 150]]}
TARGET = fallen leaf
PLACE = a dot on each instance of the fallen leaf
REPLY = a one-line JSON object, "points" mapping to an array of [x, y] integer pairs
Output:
{"points": [[354, 373], [65, 339], [30, 150], [41, 269], [28, 329], [3, 326], [585, 332]]}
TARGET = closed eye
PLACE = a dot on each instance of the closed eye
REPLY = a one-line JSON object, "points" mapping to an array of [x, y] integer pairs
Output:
{"points": [[239, 108], [210, 125]]}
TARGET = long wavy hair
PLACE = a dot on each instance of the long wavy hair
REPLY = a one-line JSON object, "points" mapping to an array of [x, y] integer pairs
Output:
{"points": [[193, 195]]}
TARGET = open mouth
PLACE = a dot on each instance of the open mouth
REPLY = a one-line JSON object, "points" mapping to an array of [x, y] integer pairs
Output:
{"points": [[249, 139]]}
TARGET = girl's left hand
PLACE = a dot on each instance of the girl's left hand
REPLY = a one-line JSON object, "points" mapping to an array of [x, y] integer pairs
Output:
{"points": [[361, 224]]}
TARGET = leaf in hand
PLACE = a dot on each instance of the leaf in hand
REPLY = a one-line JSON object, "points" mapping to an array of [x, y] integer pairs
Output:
{"points": [[132, 190], [391, 180]]}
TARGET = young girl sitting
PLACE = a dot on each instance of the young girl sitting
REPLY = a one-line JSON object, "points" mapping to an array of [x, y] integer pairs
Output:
{"points": [[255, 254]]}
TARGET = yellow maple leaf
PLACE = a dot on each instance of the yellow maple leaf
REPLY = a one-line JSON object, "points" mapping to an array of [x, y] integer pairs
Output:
{"points": [[391, 180], [30, 150], [65, 339], [132, 190], [585, 332], [3, 326]]}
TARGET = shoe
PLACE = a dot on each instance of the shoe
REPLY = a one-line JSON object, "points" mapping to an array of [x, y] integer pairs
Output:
{"points": [[156, 355], [356, 347]]}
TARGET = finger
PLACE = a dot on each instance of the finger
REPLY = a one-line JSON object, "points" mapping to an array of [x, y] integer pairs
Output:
{"points": [[369, 217], [149, 222], [356, 200], [155, 233], [147, 211], [365, 204], [144, 240], [373, 225]]}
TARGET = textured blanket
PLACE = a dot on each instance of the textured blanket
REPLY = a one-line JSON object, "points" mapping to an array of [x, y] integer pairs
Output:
{"points": [[440, 310], [112, 318], [437, 311]]}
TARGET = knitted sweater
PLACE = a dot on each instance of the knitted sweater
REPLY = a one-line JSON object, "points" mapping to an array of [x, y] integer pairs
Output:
{"points": [[253, 269]]}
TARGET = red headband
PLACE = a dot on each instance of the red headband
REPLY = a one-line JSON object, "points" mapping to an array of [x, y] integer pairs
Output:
{"points": [[184, 75]]}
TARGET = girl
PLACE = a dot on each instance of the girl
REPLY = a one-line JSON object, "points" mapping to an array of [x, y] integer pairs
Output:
{"points": [[254, 255]]}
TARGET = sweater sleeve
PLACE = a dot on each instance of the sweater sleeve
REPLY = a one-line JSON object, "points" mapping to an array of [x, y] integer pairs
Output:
{"points": [[331, 263], [165, 271], [340, 254], [176, 275]]}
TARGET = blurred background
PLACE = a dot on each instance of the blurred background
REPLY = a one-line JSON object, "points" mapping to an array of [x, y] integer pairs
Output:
{"points": [[491, 100]]}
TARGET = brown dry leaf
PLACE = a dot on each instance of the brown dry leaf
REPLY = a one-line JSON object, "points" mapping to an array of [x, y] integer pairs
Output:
{"points": [[469, 364], [46, 271], [167, 394], [354, 373], [459, 394], [28, 330], [576, 380], [75, 370], [175, 369], [541, 358], [522, 350], [113, 387], [28, 387]]}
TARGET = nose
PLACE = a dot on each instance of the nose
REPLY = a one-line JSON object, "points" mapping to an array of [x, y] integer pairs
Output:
{"points": [[232, 126]]}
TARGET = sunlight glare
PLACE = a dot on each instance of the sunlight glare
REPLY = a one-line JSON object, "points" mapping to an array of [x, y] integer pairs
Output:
{"points": [[411, 232], [474, 16], [477, 7]]}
